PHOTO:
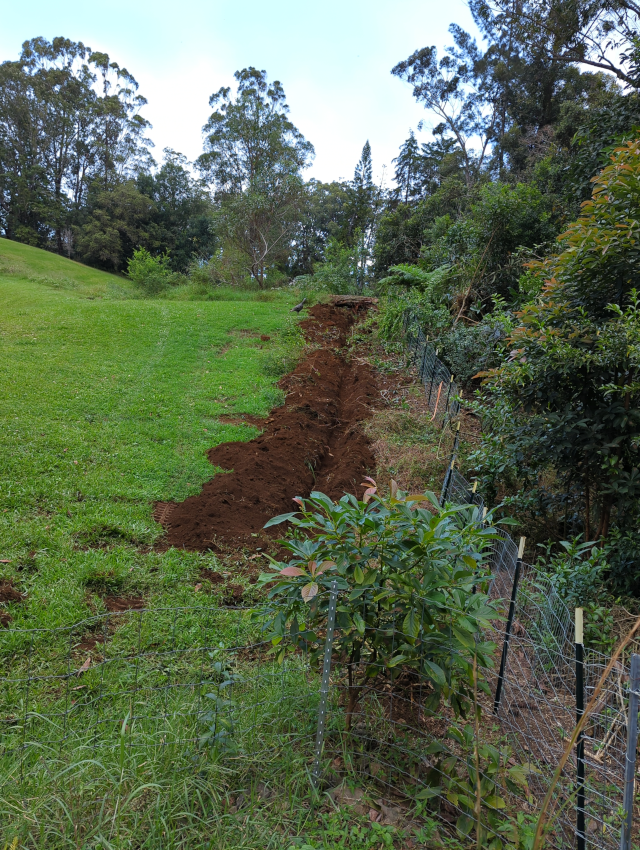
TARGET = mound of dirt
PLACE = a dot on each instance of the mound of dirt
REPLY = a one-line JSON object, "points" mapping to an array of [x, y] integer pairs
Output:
{"points": [[312, 442], [8, 593]]}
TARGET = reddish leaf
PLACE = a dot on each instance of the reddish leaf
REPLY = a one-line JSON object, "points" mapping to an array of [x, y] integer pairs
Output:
{"points": [[292, 571], [325, 565]]}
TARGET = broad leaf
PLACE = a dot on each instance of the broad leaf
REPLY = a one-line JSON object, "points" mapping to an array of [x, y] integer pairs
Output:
{"points": [[437, 672], [411, 625], [276, 520], [309, 591]]}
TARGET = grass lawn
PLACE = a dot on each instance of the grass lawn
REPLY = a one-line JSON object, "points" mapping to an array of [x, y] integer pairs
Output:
{"points": [[109, 403]]}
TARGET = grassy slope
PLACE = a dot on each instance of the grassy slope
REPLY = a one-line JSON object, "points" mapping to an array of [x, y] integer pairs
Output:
{"points": [[109, 404]]}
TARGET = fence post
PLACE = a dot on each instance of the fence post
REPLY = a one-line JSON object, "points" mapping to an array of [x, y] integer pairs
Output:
{"points": [[324, 687], [507, 632], [473, 492], [581, 832], [433, 374], [446, 407], [632, 743], [424, 359]]}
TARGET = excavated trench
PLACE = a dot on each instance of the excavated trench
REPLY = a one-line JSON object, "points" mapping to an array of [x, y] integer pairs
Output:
{"points": [[313, 442]]}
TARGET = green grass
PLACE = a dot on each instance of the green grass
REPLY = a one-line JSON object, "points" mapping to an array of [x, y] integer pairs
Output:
{"points": [[117, 758], [109, 404], [23, 263]]}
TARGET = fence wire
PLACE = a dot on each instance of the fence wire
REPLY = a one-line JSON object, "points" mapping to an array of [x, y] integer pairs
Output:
{"points": [[537, 711], [440, 388], [182, 680]]}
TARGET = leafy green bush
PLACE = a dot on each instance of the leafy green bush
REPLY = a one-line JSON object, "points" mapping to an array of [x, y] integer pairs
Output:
{"points": [[406, 570], [153, 274], [578, 575], [623, 557], [469, 350], [423, 293], [574, 371], [577, 572], [485, 245], [339, 273], [475, 783]]}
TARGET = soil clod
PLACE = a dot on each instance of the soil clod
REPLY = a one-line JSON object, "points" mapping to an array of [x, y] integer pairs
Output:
{"points": [[8, 593]]}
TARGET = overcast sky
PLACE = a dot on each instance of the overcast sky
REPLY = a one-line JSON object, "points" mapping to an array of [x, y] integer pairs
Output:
{"points": [[333, 58]]}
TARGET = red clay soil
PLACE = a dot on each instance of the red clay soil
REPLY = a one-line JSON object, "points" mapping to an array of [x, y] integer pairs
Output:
{"points": [[312, 442], [8, 593]]}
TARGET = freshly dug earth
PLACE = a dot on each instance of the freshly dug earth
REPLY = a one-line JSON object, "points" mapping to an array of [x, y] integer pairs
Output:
{"points": [[8, 593], [312, 442]]}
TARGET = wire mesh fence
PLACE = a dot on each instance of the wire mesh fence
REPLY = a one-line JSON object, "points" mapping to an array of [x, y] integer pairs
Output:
{"points": [[158, 696], [422, 761], [539, 696], [178, 683], [440, 387]]}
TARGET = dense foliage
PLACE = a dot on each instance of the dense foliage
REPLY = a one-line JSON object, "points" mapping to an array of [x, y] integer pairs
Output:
{"points": [[571, 380], [405, 569]]}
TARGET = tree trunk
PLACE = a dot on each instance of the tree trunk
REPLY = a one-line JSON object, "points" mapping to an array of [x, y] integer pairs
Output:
{"points": [[352, 701], [605, 518]]}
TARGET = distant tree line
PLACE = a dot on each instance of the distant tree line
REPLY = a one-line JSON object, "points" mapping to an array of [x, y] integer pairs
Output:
{"points": [[77, 174], [520, 125]]}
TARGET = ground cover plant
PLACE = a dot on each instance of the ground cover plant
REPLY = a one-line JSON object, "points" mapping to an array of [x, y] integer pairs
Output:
{"points": [[110, 404]]}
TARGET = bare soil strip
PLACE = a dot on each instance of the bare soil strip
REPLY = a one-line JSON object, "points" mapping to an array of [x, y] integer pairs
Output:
{"points": [[313, 442]]}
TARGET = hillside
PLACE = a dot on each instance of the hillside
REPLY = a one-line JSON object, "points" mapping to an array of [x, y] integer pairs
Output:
{"points": [[109, 404], [33, 265]]}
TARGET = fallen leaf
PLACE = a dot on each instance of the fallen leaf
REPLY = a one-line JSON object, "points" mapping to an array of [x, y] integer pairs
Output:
{"points": [[4, 561], [85, 666], [198, 587]]}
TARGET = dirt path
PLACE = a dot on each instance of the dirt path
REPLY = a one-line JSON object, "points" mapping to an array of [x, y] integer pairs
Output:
{"points": [[312, 442]]}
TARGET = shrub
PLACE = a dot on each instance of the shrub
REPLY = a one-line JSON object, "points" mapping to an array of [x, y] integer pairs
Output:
{"points": [[575, 364], [406, 569], [577, 572], [153, 274], [423, 293]]}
